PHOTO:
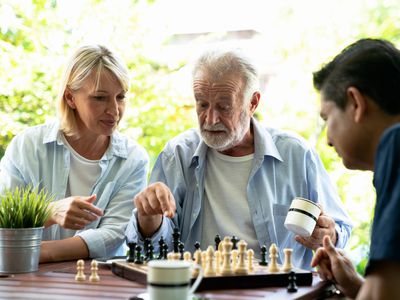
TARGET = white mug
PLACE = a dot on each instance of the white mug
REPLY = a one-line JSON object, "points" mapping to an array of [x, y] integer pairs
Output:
{"points": [[170, 279], [302, 216]]}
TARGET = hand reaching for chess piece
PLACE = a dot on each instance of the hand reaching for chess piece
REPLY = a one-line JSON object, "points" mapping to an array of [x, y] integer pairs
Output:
{"points": [[334, 265], [152, 204]]}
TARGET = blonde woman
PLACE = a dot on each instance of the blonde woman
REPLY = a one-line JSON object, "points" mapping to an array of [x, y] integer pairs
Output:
{"points": [[93, 171]]}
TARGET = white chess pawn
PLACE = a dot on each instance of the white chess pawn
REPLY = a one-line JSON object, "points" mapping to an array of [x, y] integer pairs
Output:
{"points": [[250, 256], [187, 256], [203, 259], [217, 255], [80, 266], [273, 256], [94, 277], [197, 260], [234, 259], [287, 265]]}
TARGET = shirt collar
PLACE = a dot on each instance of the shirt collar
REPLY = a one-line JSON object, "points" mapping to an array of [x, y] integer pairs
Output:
{"points": [[118, 145], [264, 145]]}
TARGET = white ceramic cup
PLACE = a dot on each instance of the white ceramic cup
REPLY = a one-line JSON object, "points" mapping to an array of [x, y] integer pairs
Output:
{"points": [[170, 279], [302, 216]]}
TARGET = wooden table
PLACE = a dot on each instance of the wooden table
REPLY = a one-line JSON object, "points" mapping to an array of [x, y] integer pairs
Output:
{"points": [[56, 281]]}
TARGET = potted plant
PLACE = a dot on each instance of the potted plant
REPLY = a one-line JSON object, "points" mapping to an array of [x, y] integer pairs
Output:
{"points": [[23, 212]]}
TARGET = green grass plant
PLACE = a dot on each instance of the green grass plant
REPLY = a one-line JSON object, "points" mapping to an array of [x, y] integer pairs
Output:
{"points": [[25, 207]]}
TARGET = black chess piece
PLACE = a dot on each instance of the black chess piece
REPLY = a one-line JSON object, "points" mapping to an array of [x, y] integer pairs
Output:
{"points": [[263, 252], [150, 253], [217, 241], [234, 241], [131, 256], [161, 243], [181, 247], [139, 258], [197, 246], [165, 251], [146, 244], [176, 239], [292, 286]]}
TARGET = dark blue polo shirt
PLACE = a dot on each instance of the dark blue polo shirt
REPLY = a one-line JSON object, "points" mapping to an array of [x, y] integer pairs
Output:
{"points": [[385, 239]]}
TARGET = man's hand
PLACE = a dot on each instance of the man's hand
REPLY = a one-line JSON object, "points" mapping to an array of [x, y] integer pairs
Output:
{"points": [[74, 212], [325, 226], [334, 265], [152, 204]]}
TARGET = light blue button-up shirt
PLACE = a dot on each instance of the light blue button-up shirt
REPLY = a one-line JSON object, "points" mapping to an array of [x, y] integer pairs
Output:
{"points": [[39, 157], [283, 167]]}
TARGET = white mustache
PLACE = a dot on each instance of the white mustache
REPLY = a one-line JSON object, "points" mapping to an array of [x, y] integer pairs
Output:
{"points": [[216, 127]]}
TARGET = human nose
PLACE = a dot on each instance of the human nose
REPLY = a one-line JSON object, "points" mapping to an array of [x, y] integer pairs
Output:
{"points": [[212, 116], [112, 107]]}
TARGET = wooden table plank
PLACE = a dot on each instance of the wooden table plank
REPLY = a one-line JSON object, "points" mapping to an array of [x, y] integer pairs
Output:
{"points": [[57, 281]]}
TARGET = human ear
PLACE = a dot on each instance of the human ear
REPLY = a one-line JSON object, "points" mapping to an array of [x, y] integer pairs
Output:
{"points": [[357, 102], [69, 98], [255, 99]]}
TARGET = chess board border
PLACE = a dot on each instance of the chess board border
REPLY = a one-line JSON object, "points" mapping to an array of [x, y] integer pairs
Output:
{"points": [[280, 279]]}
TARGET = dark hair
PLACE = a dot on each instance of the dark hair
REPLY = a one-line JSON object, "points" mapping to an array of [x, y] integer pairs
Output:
{"points": [[370, 65]]}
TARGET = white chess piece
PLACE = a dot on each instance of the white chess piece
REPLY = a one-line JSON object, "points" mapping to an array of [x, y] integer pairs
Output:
{"points": [[94, 276], [226, 254], [287, 265], [273, 255], [210, 265], [241, 264], [250, 256], [80, 266], [234, 259], [217, 255], [187, 256], [197, 260]]}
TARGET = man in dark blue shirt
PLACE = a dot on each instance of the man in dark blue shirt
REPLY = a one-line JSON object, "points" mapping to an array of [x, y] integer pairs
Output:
{"points": [[360, 102]]}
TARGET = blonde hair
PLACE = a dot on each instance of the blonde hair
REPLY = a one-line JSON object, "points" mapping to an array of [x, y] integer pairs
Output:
{"points": [[85, 61]]}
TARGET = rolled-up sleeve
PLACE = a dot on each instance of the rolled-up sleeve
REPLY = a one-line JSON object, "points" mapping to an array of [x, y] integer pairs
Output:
{"points": [[324, 192]]}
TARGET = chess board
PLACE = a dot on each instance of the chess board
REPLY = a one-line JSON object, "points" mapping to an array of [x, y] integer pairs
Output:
{"points": [[259, 278]]}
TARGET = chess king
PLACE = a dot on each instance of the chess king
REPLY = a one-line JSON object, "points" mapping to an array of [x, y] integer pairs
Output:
{"points": [[234, 176]]}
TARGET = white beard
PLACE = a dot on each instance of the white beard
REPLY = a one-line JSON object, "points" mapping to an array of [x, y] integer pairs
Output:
{"points": [[225, 140]]}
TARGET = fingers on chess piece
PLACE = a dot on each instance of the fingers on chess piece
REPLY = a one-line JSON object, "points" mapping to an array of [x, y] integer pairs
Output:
{"points": [[80, 267], [94, 276]]}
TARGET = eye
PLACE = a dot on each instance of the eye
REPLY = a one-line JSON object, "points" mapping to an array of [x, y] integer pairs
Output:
{"points": [[99, 98], [201, 104], [121, 98]]}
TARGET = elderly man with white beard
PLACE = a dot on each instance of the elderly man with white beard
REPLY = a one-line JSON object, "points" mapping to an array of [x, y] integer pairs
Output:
{"points": [[235, 177]]}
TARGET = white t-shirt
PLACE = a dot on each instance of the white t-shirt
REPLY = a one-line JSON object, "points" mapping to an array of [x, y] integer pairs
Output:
{"points": [[226, 210], [82, 177]]}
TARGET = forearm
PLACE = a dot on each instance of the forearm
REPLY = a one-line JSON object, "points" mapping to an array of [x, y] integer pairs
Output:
{"points": [[66, 249]]}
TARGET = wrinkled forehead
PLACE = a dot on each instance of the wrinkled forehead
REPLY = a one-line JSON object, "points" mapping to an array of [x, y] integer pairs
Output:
{"points": [[228, 82]]}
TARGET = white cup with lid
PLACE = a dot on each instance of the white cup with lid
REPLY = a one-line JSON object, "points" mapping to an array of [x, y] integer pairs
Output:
{"points": [[170, 279], [302, 216]]}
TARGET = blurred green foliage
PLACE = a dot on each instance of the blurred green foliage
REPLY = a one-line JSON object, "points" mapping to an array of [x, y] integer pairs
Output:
{"points": [[36, 37]]}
